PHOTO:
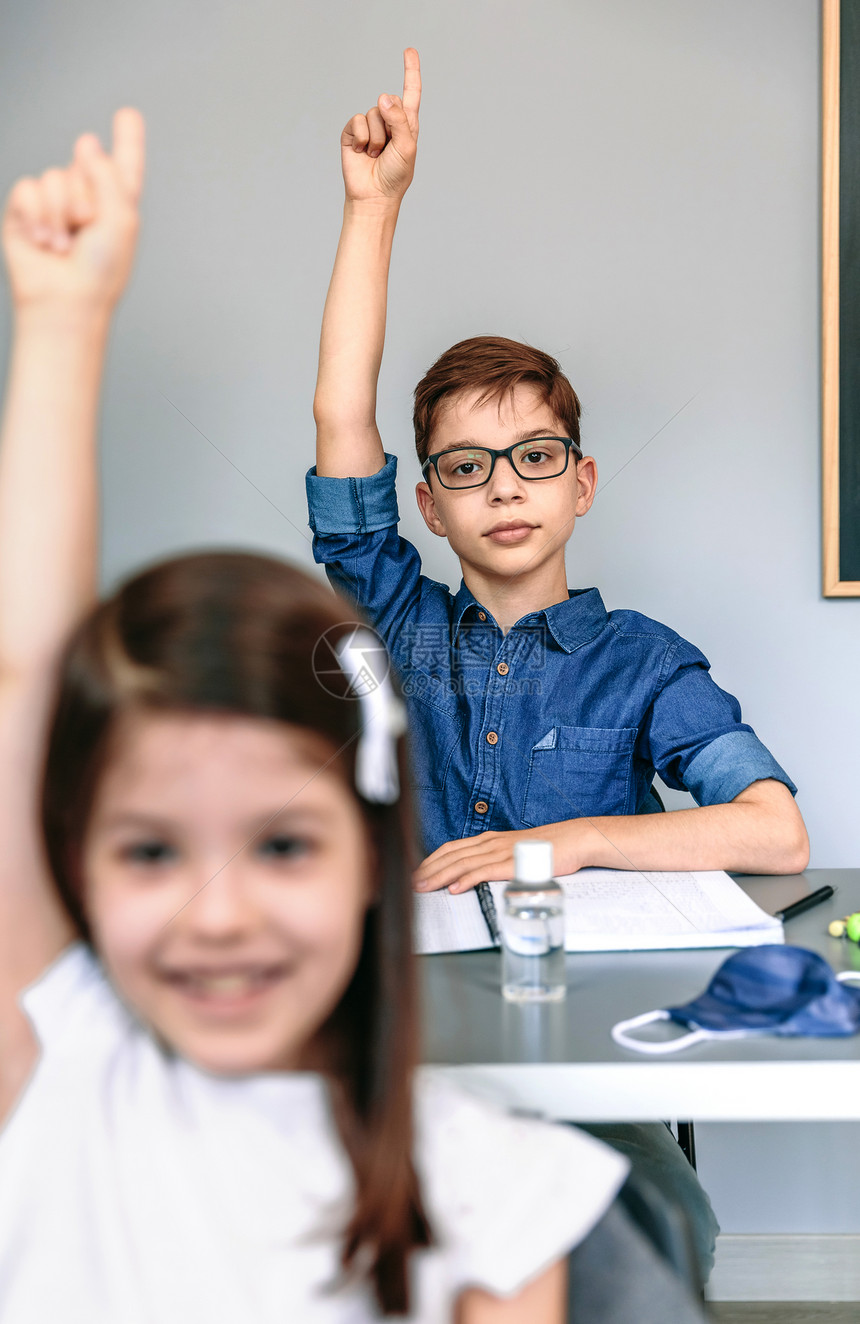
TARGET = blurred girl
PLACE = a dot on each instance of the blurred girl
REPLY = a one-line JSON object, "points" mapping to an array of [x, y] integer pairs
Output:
{"points": [[207, 1010]]}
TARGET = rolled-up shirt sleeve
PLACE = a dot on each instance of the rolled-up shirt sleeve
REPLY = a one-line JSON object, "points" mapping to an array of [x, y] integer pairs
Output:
{"points": [[353, 505], [696, 739]]}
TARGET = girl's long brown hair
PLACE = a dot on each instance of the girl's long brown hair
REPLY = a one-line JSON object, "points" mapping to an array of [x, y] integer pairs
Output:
{"points": [[236, 632]]}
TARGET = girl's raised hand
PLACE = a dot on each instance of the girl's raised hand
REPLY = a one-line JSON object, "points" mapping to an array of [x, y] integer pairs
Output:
{"points": [[69, 236], [378, 149]]}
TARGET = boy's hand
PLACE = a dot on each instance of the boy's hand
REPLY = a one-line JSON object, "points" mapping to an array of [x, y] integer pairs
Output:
{"points": [[378, 149], [69, 237], [489, 857]]}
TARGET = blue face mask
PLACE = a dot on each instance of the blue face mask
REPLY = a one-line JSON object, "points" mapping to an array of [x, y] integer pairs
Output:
{"points": [[759, 990]]}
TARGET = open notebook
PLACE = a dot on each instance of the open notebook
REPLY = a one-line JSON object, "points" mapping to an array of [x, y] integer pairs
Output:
{"points": [[607, 910]]}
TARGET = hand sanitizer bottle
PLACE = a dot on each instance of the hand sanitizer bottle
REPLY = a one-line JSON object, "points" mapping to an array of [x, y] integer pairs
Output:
{"points": [[533, 928]]}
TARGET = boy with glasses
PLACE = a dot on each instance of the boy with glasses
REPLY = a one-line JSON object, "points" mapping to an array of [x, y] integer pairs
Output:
{"points": [[533, 711]]}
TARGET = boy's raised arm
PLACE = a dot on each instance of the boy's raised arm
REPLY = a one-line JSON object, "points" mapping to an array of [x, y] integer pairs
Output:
{"points": [[69, 240], [378, 159]]}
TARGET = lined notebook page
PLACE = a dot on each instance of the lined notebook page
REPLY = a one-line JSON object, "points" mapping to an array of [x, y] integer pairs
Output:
{"points": [[621, 910], [446, 923]]}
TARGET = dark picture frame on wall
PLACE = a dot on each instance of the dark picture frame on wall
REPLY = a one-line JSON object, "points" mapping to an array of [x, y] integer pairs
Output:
{"points": [[840, 342]]}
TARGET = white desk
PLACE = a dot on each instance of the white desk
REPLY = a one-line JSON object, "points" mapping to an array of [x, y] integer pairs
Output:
{"points": [[559, 1058]]}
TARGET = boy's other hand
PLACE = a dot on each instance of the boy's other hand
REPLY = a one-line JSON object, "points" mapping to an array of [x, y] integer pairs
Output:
{"points": [[69, 236], [378, 149], [489, 858]]}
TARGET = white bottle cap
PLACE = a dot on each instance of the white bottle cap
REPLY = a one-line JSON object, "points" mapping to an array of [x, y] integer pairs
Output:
{"points": [[533, 861]]}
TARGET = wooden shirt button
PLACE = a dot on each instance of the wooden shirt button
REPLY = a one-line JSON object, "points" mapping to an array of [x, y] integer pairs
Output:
{"points": [[481, 807], [492, 738], [503, 668], [482, 615]]}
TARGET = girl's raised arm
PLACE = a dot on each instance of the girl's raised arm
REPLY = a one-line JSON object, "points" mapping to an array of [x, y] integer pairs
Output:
{"points": [[68, 239]]}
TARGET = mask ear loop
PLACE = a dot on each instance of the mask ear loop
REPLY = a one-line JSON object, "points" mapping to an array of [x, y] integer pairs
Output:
{"points": [[849, 977], [621, 1037]]}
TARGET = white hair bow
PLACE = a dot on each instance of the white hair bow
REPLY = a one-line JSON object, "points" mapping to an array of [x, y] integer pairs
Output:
{"points": [[363, 659]]}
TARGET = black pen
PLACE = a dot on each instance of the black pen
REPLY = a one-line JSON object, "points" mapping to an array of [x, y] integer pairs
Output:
{"points": [[805, 903]]}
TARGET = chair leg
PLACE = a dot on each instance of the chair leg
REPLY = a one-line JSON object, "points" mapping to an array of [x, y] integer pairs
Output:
{"points": [[687, 1142]]}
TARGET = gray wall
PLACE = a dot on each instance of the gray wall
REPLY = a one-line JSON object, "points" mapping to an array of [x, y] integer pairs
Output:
{"points": [[631, 184]]}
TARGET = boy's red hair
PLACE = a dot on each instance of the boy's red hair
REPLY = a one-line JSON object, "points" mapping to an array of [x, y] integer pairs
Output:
{"points": [[494, 366]]}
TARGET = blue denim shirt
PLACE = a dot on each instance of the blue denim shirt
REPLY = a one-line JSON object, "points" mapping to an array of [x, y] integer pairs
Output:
{"points": [[568, 715]]}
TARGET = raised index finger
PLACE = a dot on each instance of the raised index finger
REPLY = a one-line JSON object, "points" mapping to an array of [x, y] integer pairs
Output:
{"points": [[128, 149], [411, 86]]}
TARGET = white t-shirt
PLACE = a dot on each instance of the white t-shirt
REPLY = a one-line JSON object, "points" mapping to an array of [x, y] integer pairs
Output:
{"points": [[138, 1189]]}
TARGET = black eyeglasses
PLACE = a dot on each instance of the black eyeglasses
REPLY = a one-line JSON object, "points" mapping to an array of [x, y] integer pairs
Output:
{"points": [[472, 466]]}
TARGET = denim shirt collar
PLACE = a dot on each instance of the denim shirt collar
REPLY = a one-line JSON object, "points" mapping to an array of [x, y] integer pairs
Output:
{"points": [[570, 623]]}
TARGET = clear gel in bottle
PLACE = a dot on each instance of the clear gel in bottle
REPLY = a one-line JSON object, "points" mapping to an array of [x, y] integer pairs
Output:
{"points": [[533, 928]]}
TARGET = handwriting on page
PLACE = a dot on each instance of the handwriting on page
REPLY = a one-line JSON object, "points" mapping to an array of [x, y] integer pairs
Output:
{"points": [[610, 901], [651, 904]]}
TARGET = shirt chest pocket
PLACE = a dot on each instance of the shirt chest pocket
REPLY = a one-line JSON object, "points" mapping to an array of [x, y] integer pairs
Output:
{"points": [[579, 772]]}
